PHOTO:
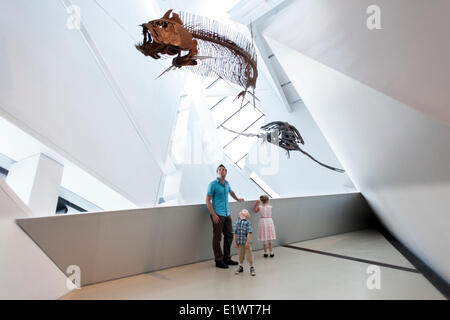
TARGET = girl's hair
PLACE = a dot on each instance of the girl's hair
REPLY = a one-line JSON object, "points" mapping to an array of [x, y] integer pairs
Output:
{"points": [[264, 199]]}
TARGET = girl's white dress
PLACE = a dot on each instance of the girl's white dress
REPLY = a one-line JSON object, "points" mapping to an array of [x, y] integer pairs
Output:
{"points": [[266, 228]]}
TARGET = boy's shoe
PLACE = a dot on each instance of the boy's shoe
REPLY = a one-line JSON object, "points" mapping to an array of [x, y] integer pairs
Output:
{"points": [[239, 270], [221, 264], [272, 255], [265, 255], [252, 271]]}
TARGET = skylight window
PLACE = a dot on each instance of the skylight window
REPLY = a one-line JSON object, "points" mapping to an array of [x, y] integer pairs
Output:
{"points": [[243, 119], [239, 147], [228, 113], [224, 110], [264, 186]]}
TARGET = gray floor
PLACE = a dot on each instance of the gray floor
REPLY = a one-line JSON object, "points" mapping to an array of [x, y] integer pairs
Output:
{"points": [[291, 274]]}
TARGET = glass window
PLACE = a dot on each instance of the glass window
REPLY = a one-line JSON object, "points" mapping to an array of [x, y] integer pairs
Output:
{"points": [[241, 145], [227, 112], [224, 110], [225, 136], [243, 118]]}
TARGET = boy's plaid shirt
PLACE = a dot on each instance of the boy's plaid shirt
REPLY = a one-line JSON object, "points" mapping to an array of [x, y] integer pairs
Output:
{"points": [[241, 228]]}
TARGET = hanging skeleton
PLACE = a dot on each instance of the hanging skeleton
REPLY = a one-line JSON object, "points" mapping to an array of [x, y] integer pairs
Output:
{"points": [[285, 136], [212, 49]]}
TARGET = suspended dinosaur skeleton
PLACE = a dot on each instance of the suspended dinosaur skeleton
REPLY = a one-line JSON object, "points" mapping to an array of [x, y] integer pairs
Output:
{"points": [[285, 136], [212, 49]]}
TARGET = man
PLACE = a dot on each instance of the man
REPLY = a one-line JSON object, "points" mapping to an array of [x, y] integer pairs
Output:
{"points": [[220, 216]]}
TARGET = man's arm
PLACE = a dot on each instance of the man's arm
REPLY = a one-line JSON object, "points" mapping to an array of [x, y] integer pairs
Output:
{"points": [[235, 197], [214, 216]]}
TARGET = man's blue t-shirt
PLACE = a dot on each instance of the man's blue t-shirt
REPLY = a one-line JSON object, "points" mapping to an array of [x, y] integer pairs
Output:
{"points": [[219, 194]]}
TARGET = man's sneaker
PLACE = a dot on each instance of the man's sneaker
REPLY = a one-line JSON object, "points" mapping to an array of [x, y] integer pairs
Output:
{"points": [[221, 264], [252, 271], [230, 262], [239, 270], [265, 255]]}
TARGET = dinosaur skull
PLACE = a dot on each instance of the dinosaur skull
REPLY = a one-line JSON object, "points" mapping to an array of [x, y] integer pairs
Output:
{"points": [[167, 30]]}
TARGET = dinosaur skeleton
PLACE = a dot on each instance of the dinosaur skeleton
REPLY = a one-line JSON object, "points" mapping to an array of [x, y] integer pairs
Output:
{"points": [[212, 49], [285, 136]]}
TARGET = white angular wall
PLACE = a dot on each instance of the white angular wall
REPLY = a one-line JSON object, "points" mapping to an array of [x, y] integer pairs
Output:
{"points": [[36, 180], [407, 59], [26, 271], [380, 98], [397, 156], [89, 95]]}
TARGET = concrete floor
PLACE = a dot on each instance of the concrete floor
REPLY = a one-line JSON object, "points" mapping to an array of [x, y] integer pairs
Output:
{"points": [[291, 274]]}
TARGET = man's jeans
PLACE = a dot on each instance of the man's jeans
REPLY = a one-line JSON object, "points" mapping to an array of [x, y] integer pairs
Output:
{"points": [[224, 226]]}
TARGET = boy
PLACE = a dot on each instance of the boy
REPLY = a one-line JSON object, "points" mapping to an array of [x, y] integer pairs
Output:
{"points": [[242, 231]]}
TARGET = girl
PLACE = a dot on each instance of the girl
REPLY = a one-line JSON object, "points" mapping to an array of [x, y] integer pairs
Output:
{"points": [[266, 228]]}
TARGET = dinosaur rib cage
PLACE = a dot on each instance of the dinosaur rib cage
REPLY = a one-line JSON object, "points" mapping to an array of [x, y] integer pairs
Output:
{"points": [[225, 52]]}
